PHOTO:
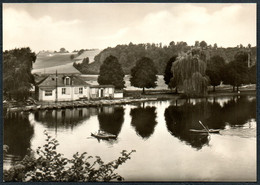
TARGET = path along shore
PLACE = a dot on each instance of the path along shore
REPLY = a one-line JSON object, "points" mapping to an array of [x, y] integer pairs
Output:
{"points": [[75, 104], [105, 102]]}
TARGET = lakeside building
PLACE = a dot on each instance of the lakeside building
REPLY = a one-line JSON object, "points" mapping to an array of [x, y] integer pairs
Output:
{"points": [[69, 87]]}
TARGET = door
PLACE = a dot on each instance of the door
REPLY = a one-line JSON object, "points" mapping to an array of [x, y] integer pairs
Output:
{"points": [[101, 93]]}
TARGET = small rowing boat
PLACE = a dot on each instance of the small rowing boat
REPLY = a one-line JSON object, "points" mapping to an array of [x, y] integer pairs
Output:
{"points": [[103, 135], [206, 131]]}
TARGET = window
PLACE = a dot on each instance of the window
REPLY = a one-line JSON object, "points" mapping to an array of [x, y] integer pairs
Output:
{"points": [[48, 92], [80, 113], [81, 90], [63, 114], [63, 91], [67, 81], [93, 91]]}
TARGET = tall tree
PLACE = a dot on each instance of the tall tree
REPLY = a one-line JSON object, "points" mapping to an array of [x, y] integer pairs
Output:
{"points": [[197, 43], [189, 72], [236, 72], [143, 74], [203, 44], [168, 72], [111, 73], [17, 77], [214, 71], [63, 50], [252, 74]]}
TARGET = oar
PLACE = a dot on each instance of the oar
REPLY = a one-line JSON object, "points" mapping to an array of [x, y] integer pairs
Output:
{"points": [[204, 126]]}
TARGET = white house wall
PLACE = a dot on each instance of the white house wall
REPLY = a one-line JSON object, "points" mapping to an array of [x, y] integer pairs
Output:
{"points": [[42, 96], [118, 95], [64, 97], [95, 92]]}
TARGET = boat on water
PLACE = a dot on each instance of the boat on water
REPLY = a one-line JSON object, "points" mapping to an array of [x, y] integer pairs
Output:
{"points": [[213, 131], [103, 135]]}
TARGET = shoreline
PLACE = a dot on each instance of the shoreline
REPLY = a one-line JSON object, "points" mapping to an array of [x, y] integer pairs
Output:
{"points": [[76, 104], [127, 100]]}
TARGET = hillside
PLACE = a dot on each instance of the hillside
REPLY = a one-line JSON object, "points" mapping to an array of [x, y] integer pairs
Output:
{"points": [[50, 59], [90, 54], [49, 62], [129, 54]]}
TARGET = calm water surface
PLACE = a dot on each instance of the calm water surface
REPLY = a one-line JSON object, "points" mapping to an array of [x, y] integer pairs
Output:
{"points": [[159, 131]]}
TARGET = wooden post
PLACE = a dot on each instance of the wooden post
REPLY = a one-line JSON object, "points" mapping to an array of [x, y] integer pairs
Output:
{"points": [[56, 100]]}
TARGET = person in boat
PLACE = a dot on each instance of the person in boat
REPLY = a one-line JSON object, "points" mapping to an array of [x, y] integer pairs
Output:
{"points": [[100, 132]]}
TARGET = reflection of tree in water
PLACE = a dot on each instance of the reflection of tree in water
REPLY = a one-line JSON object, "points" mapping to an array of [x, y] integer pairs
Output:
{"points": [[65, 118], [239, 110], [180, 119], [144, 121], [111, 119], [17, 134]]}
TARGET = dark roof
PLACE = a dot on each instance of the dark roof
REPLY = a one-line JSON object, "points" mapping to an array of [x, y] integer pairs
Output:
{"points": [[50, 81], [100, 86], [39, 78]]}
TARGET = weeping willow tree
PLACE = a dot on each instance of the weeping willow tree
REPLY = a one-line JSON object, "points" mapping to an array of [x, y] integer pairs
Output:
{"points": [[189, 73]]}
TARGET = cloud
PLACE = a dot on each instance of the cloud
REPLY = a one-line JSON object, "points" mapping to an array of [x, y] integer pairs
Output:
{"points": [[227, 25], [20, 29], [190, 23]]}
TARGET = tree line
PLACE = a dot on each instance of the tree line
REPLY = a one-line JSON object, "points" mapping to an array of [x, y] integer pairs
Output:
{"points": [[191, 72], [128, 55], [215, 70], [190, 69]]}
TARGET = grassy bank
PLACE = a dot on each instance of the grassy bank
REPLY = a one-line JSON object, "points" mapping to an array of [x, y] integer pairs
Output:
{"points": [[224, 90]]}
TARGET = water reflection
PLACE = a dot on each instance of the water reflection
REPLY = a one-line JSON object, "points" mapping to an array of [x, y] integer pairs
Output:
{"points": [[184, 115], [143, 120], [180, 119], [111, 119], [239, 110], [65, 118], [158, 130], [17, 135]]}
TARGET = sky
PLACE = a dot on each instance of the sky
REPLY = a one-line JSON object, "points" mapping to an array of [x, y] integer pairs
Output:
{"points": [[74, 26]]}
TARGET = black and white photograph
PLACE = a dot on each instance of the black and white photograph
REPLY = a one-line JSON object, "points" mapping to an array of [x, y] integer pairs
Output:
{"points": [[129, 92]]}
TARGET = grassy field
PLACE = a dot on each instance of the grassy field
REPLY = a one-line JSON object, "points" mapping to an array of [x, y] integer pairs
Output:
{"points": [[160, 82], [66, 68], [90, 54], [49, 62], [45, 60]]}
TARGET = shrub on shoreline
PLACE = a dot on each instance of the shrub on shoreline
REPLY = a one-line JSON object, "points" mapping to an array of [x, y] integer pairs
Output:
{"points": [[49, 165]]}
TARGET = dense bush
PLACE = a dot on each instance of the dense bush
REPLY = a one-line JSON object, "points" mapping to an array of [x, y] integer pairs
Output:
{"points": [[17, 77], [49, 165]]}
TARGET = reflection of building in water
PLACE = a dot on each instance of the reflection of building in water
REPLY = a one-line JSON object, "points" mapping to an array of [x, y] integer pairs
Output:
{"points": [[62, 118], [93, 111], [108, 110]]}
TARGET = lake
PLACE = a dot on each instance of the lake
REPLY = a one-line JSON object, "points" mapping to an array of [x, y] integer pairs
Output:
{"points": [[159, 131]]}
